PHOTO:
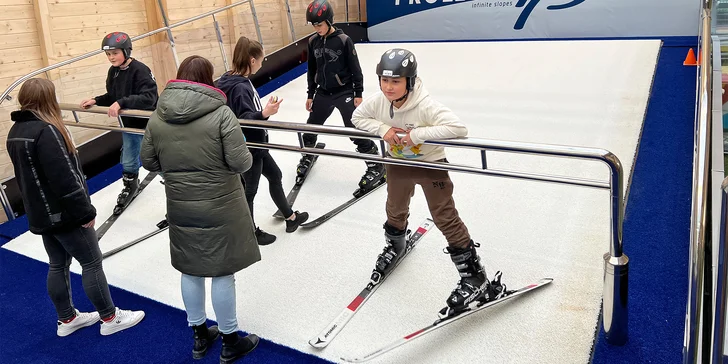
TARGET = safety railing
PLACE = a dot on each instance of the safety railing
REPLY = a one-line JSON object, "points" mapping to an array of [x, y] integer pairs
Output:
{"points": [[616, 273], [693, 341]]}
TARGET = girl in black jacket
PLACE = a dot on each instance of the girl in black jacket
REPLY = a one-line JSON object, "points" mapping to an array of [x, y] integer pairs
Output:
{"points": [[58, 207], [243, 99]]}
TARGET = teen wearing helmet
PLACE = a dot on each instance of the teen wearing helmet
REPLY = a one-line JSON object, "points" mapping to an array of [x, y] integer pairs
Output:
{"points": [[405, 107], [130, 84], [335, 80]]}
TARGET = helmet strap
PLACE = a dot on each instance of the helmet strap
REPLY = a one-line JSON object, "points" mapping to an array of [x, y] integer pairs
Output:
{"points": [[391, 104]]}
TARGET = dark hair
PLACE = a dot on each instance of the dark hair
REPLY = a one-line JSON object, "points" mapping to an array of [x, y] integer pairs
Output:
{"points": [[196, 69], [244, 50]]}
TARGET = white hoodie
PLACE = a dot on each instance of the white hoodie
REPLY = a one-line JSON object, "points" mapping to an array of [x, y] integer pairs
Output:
{"points": [[426, 118]]}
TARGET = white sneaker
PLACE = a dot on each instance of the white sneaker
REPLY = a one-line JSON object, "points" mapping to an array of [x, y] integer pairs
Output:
{"points": [[123, 319], [82, 319]]}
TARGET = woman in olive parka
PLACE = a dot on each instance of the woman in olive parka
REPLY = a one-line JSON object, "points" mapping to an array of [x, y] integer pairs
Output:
{"points": [[195, 140]]}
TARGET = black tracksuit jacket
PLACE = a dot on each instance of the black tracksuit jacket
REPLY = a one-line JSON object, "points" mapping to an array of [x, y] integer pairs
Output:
{"points": [[333, 64]]}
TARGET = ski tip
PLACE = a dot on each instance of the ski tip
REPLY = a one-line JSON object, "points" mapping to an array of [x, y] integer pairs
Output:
{"points": [[546, 280], [318, 343]]}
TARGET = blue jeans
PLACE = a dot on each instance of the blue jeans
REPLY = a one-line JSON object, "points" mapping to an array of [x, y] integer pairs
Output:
{"points": [[130, 150], [223, 301]]}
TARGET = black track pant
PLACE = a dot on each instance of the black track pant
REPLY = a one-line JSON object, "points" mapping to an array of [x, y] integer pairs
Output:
{"points": [[265, 165], [323, 105]]}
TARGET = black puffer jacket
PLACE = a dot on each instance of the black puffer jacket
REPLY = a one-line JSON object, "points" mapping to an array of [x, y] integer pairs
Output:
{"points": [[54, 190]]}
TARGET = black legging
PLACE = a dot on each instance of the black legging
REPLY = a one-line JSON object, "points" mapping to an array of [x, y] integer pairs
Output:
{"points": [[264, 164]]}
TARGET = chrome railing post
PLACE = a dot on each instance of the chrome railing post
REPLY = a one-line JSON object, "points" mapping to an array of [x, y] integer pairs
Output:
{"points": [[290, 22], [616, 264], [169, 32], [6, 203], [219, 41], [257, 24]]}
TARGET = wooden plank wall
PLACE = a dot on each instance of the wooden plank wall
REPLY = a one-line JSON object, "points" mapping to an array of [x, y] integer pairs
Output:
{"points": [[38, 33], [19, 54]]}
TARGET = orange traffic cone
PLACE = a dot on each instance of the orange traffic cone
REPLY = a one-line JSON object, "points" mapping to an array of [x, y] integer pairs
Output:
{"points": [[690, 59]]}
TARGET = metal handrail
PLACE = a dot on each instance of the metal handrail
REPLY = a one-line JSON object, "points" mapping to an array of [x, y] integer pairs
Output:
{"points": [[614, 300], [694, 312], [99, 51]]}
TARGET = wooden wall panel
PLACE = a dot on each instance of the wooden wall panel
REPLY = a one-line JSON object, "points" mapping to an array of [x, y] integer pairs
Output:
{"points": [[77, 27], [37, 33], [19, 54]]}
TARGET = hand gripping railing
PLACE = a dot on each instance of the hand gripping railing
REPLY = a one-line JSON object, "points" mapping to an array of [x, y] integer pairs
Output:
{"points": [[614, 299]]}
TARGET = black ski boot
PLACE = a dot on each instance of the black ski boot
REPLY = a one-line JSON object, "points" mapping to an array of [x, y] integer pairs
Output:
{"points": [[303, 165], [473, 285], [235, 347], [374, 175], [131, 187], [204, 337], [396, 241]]}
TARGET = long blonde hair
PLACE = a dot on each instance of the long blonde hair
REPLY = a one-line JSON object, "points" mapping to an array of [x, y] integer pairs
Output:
{"points": [[38, 96]]}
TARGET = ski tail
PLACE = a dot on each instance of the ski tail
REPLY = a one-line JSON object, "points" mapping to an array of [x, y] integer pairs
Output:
{"points": [[327, 216], [441, 323], [334, 327]]}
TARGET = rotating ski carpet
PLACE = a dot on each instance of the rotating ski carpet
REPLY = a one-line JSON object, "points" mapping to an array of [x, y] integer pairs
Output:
{"points": [[580, 93]]}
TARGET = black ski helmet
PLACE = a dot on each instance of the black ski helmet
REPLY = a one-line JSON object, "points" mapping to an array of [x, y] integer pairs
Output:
{"points": [[398, 62], [117, 40], [319, 11]]}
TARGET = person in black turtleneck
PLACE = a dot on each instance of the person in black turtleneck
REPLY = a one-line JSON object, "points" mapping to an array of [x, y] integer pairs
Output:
{"points": [[335, 80], [244, 101], [130, 84]]}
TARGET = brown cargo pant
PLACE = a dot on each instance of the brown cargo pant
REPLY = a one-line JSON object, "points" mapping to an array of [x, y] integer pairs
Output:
{"points": [[438, 188]]}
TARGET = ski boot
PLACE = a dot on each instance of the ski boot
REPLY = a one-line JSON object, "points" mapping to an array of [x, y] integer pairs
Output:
{"points": [[396, 241], [303, 166], [374, 175], [473, 285], [131, 187]]}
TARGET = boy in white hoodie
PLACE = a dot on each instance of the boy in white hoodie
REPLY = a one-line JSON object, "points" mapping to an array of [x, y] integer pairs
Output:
{"points": [[405, 107]]}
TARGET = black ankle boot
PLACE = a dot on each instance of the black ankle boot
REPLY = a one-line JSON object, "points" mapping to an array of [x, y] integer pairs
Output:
{"points": [[204, 337], [235, 347]]}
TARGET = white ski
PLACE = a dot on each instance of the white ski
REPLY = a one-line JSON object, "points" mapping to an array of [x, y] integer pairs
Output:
{"points": [[332, 329], [442, 322]]}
